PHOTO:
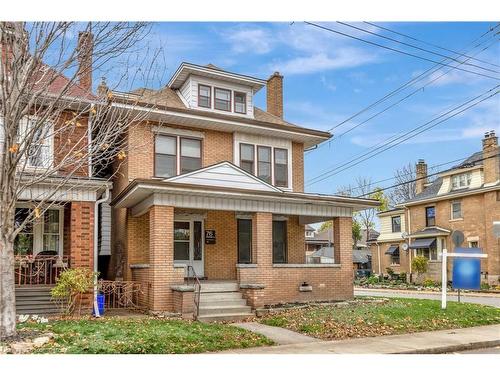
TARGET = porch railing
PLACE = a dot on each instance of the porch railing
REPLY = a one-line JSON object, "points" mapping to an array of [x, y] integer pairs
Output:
{"points": [[39, 269], [197, 290], [123, 294]]}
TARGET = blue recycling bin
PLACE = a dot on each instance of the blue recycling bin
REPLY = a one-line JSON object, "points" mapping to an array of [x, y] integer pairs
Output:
{"points": [[100, 305]]}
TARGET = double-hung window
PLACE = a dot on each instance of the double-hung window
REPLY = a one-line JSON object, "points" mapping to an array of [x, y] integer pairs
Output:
{"points": [[281, 167], [204, 96], [264, 163], [244, 241], [36, 140], [396, 224], [24, 241], [222, 99], [430, 216], [279, 241], [240, 102], [462, 180], [176, 155], [456, 210], [247, 157]]}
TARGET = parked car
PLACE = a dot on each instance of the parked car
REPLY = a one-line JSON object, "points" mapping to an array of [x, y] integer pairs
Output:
{"points": [[363, 273]]}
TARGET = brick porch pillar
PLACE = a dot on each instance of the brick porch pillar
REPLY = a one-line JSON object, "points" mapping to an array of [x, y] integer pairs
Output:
{"points": [[81, 235], [161, 258], [262, 233], [342, 242]]}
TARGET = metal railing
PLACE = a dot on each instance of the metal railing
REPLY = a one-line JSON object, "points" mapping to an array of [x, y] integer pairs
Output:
{"points": [[197, 290], [123, 294], [39, 269]]}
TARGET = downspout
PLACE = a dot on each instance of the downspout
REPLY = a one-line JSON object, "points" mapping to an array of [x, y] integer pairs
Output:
{"points": [[89, 140], [409, 231], [104, 198], [379, 260]]}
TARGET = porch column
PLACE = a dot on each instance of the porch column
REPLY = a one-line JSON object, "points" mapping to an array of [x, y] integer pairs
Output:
{"points": [[342, 242], [161, 257], [262, 233], [81, 235]]}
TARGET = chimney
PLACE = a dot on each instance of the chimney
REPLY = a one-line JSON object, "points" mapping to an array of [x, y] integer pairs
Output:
{"points": [[421, 175], [85, 52], [275, 94], [491, 164]]}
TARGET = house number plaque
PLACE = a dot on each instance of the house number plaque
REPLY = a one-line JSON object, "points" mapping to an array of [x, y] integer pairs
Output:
{"points": [[210, 236]]}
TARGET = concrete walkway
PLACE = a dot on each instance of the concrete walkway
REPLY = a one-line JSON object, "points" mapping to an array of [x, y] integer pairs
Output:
{"points": [[445, 341], [280, 336], [490, 299]]}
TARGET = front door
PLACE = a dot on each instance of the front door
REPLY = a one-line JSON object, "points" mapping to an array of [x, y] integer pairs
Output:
{"points": [[188, 245]]}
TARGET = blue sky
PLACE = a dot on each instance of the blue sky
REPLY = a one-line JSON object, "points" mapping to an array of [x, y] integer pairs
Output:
{"points": [[330, 77]]}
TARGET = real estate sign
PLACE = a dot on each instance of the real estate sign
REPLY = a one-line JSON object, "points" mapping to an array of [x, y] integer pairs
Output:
{"points": [[467, 271]]}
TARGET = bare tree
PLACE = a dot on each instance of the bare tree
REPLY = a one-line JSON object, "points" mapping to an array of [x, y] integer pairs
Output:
{"points": [[363, 187], [406, 186], [46, 104]]}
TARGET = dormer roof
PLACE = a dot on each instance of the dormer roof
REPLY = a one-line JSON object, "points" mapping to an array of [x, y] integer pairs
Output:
{"points": [[211, 71]]}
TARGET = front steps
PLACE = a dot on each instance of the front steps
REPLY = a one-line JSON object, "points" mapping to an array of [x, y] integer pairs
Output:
{"points": [[222, 301], [35, 300]]}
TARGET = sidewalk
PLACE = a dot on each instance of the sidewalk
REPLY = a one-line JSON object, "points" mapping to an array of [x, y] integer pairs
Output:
{"points": [[410, 291], [417, 343]]}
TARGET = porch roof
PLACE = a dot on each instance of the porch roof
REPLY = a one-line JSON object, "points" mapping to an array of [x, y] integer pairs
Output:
{"points": [[141, 194]]}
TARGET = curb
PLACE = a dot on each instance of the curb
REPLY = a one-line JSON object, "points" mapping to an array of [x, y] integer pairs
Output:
{"points": [[453, 348], [408, 291]]}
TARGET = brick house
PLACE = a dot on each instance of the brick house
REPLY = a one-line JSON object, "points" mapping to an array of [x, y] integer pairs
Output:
{"points": [[69, 229], [213, 189], [464, 198]]}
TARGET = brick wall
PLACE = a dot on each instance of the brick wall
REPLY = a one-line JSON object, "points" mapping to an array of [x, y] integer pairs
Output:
{"points": [[386, 259], [81, 237], [295, 240], [298, 167]]}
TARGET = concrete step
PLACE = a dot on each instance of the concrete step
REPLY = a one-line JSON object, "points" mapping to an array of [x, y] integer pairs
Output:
{"points": [[38, 309], [219, 287], [217, 303], [233, 317], [28, 302], [221, 296], [225, 310]]}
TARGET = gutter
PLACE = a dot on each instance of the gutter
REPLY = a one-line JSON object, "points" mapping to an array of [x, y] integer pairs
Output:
{"points": [[103, 199]]}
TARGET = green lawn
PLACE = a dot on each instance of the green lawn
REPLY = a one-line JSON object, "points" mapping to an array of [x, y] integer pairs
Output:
{"points": [[142, 335], [394, 316]]}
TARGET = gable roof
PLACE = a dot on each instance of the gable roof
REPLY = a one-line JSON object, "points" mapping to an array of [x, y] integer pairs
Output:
{"points": [[224, 174]]}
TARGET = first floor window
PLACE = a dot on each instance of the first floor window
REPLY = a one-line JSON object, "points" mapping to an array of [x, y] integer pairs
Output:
{"points": [[430, 253], [264, 163], [244, 241], [23, 244], [279, 242], [51, 231], [165, 156], [247, 157], [473, 244], [395, 258], [456, 210], [182, 238], [281, 167], [190, 155]]}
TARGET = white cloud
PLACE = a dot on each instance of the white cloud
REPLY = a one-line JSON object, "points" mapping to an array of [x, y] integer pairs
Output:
{"points": [[255, 40]]}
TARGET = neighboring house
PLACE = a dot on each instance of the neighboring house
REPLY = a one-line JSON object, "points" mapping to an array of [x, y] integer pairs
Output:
{"points": [[65, 235], [464, 198], [323, 255], [316, 240], [217, 192]]}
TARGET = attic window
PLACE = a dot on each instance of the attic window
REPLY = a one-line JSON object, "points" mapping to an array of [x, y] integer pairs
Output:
{"points": [[462, 180], [240, 105], [222, 99], [204, 96]]}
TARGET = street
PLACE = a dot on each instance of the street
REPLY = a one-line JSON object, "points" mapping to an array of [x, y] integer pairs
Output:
{"points": [[484, 299], [495, 350]]}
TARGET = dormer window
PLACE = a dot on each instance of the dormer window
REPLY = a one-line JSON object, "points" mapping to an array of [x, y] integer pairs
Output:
{"points": [[204, 96], [462, 180], [240, 102], [222, 99]]}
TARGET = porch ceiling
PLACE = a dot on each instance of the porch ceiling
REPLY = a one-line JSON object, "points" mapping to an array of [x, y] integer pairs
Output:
{"points": [[140, 195]]}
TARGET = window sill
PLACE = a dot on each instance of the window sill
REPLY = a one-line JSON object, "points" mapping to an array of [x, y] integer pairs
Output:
{"points": [[246, 265], [459, 219], [139, 266]]}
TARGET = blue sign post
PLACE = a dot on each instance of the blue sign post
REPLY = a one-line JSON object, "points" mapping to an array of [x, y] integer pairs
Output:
{"points": [[467, 271]]}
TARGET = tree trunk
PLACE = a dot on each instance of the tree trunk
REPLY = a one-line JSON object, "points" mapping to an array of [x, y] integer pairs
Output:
{"points": [[7, 289]]}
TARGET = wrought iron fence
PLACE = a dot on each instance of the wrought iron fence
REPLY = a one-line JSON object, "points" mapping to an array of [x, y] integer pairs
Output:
{"points": [[123, 294], [39, 269]]}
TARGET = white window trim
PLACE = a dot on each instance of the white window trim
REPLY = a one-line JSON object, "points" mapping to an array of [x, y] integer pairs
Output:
{"points": [[268, 142], [38, 228], [451, 211]]}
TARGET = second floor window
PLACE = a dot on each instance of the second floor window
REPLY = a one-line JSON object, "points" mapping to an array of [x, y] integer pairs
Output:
{"points": [[39, 152], [176, 155], [222, 99], [204, 96], [247, 157], [430, 216], [240, 102], [264, 163], [281, 167], [456, 210], [396, 224]]}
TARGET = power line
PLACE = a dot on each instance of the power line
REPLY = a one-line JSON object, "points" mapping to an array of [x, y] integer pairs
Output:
{"points": [[417, 179], [431, 44], [397, 50], [408, 83], [416, 47], [426, 127]]}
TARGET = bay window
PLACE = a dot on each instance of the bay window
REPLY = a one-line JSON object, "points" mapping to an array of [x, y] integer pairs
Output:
{"points": [[222, 99]]}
